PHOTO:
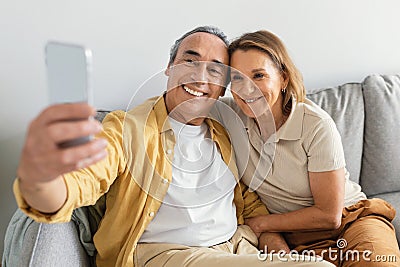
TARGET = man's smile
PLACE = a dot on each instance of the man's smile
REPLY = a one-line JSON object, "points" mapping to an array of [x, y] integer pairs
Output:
{"points": [[193, 92]]}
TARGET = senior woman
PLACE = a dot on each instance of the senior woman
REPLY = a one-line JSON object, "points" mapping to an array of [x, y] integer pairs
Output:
{"points": [[295, 160]]}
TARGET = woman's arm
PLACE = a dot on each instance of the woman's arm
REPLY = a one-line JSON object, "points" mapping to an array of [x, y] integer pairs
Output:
{"points": [[327, 189]]}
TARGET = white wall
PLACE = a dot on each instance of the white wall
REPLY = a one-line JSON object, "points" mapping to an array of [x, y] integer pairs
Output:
{"points": [[332, 42]]}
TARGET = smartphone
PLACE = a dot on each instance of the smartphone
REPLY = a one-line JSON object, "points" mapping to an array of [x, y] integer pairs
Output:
{"points": [[68, 77]]}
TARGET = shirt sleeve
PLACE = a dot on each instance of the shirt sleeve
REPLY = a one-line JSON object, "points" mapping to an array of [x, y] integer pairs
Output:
{"points": [[325, 149], [86, 186], [252, 203]]}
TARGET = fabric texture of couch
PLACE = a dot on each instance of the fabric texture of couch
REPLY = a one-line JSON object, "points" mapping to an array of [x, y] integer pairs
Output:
{"points": [[367, 115]]}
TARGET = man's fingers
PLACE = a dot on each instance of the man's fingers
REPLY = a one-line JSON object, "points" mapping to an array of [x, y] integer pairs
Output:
{"points": [[65, 112], [73, 155], [43, 159], [84, 162], [91, 160], [68, 130], [47, 166]]}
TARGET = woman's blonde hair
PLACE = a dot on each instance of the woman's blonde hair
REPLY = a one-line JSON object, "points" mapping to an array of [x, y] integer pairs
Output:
{"points": [[270, 44]]}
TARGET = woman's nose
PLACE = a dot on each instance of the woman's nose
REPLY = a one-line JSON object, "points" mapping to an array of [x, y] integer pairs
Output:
{"points": [[246, 89]]}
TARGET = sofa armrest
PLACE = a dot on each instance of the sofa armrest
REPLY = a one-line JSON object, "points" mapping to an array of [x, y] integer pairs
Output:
{"points": [[29, 243]]}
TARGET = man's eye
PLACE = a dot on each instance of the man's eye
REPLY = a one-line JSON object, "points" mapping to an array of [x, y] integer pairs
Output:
{"points": [[236, 78], [215, 71], [190, 62]]}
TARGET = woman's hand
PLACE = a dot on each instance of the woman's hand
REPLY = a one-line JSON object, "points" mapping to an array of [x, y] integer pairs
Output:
{"points": [[267, 241], [327, 189], [272, 243], [256, 223]]}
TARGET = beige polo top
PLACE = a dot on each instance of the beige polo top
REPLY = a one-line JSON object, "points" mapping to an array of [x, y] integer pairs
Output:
{"points": [[278, 168]]}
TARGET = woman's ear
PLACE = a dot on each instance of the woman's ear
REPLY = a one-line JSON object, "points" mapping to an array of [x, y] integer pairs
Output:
{"points": [[285, 79]]}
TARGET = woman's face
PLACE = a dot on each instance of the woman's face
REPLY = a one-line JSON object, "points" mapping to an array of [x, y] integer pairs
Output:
{"points": [[256, 82]]}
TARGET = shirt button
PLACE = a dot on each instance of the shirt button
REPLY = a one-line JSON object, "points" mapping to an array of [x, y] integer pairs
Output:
{"points": [[164, 181], [151, 214], [169, 151]]}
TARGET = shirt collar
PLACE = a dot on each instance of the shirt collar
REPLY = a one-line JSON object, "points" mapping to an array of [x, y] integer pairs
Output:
{"points": [[293, 127], [290, 130], [160, 110], [163, 124]]}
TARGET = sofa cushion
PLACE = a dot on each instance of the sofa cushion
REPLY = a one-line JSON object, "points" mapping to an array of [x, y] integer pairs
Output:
{"points": [[28, 243], [345, 104], [65, 249], [100, 114], [380, 164], [394, 200]]}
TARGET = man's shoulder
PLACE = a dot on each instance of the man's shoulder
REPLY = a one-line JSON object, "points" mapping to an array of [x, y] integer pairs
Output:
{"points": [[142, 112], [136, 115], [145, 107]]}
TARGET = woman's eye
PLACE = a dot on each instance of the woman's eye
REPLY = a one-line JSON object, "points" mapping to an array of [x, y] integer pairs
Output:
{"points": [[258, 76]]}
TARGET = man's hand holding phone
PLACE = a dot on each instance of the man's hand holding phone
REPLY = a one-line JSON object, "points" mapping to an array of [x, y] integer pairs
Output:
{"points": [[59, 139], [43, 159]]}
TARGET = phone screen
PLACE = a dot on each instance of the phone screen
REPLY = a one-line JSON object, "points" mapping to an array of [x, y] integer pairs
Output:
{"points": [[68, 70]]}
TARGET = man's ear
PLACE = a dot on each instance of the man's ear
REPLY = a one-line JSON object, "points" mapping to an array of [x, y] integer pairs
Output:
{"points": [[166, 72], [222, 92], [228, 80]]}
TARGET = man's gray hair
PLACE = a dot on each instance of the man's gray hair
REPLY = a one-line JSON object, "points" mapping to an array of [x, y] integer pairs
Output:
{"points": [[207, 29]]}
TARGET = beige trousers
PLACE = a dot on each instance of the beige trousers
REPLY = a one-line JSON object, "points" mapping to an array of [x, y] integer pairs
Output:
{"points": [[240, 251]]}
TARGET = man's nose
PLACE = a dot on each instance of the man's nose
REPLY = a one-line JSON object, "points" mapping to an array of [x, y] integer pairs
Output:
{"points": [[200, 74]]}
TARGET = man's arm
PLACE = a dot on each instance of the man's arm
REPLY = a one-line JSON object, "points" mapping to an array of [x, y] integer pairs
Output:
{"points": [[47, 197], [252, 203], [43, 162]]}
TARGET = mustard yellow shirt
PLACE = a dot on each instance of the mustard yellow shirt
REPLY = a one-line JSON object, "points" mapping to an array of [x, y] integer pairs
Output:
{"points": [[135, 175]]}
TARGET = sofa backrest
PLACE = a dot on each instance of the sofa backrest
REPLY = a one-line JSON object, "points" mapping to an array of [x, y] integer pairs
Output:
{"points": [[380, 171], [345, 104], [367, 116]]}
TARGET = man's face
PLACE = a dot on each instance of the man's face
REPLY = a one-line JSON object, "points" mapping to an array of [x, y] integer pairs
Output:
{"points": [[196, 77]]}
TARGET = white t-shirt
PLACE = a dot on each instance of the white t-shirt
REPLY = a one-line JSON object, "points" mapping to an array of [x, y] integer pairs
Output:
{"points": [[198, 209]]}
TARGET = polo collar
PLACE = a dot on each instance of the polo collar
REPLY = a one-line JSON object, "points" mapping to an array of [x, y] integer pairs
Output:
{"points": [[290, 130], [293, 127]]}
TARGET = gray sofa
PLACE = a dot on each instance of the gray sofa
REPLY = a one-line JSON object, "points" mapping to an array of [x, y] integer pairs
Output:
{"points": [[367, 115]]}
